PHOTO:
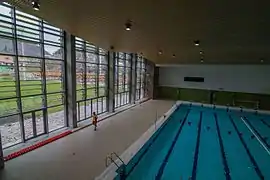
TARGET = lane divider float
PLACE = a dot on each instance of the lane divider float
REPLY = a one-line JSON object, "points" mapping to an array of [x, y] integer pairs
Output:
{"points": [[35, 146]]}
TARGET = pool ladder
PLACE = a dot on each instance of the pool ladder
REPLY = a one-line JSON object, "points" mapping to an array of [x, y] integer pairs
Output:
{"points": [[121, 169]]}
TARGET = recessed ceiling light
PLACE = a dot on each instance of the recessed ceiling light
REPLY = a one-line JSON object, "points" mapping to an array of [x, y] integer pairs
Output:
{"points": [[128, 25], [262, 60], [201, 52], [36, 5], [160, 52], [173, 55], [201, 61], [196, 42]]}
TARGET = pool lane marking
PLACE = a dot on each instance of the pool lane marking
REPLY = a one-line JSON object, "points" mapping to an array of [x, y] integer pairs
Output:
{"points": [[257, 169], [224, 159], [256, 132], [265, 123], [196, 156], [164, 163], [154, 136], [256, 135]]}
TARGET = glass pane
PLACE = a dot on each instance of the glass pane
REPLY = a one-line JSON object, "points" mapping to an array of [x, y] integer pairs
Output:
{"points": [[80, 56], [39, 122], [91, 75], [31, 103], [91, 47], [28, 34], [51, 28], [80, 94], [54, 99], [54, 86], [54, 70], [53, 52], [102, 75], [121, 55], [8, 107], [10, 131], [101, 91], [102, 59], [5, 11], [6, 47], [30, 68], [28, 125], [91, 93], [90, 57], [29, 49], [6, 29], [56, 118], [53, 38]]}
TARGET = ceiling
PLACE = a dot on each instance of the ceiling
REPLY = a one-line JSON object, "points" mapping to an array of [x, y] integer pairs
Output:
{"points": [[230, 31]]}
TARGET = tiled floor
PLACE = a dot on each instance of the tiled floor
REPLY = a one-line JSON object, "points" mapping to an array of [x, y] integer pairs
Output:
{"points": [[82, 155]]}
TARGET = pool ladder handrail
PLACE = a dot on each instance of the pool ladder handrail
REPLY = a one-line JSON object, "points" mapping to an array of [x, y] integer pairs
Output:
{"points": [[110, 157], [121, 168]]}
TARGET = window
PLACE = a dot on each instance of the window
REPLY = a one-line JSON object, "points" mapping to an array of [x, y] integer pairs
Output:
{"points": [[140, 78], [31, 76], [122, 79], [91, 72]]}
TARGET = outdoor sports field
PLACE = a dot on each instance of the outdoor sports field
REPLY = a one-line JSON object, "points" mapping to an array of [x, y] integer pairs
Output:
{"points": [[34, 89]]}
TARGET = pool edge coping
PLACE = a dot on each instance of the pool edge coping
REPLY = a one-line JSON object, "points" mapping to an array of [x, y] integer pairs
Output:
{"points": [[131, 151]]}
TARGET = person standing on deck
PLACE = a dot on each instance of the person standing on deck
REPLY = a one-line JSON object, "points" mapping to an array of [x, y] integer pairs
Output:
{"points": [[95, 118]]}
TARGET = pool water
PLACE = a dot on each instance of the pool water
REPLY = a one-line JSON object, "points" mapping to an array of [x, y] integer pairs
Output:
{"points": [[205, 143]]}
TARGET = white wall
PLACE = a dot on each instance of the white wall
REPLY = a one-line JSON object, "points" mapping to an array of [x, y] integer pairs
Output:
{"points": [[237, 78]]}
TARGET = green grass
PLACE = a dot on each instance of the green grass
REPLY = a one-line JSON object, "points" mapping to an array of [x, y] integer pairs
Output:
{"points": [[9, 106]]}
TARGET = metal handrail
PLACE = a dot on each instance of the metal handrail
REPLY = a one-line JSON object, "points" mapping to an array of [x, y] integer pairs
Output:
{"points": [[110, 157], [113, 153]]}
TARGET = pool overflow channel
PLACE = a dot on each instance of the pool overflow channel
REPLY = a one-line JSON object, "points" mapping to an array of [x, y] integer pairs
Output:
{"points": [[122, 168]]}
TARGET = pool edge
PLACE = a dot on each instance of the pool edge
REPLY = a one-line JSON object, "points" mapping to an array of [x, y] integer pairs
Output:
{"points": [[130, 152]]}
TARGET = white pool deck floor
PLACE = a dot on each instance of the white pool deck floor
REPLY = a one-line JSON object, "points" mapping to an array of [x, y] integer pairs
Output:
{"points": [[82, 154]]}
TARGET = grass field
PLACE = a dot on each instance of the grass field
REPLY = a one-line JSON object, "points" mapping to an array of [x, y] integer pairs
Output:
{"points": [[32, 88]]}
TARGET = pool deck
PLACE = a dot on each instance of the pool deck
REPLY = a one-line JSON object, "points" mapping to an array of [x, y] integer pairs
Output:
{"points": [[81, 155]]}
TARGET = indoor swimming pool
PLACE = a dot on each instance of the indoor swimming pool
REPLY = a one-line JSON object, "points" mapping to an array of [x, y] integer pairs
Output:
{"points": [[199, 142]]}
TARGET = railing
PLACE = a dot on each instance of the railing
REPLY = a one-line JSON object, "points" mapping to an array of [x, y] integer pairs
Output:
{"points": [[86, 107], [121, 169]]}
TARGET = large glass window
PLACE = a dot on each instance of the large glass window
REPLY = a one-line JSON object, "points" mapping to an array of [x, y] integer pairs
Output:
{"points": [[122, 79], [140, 78], [31, 76], [91, 73]]}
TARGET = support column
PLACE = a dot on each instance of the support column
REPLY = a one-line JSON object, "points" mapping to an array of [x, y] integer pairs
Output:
{"points": [[150, 68], [71, 110], [156, 79], [110, 81], [133, 80], [2, 164]]}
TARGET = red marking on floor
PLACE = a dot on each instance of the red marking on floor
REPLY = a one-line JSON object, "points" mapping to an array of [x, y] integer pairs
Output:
{"points": [[35, 146]]}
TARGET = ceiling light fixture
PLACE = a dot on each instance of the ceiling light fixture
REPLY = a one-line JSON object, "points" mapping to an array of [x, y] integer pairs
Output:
{"points": [[160, 52], [128, 25], [201, 52], [173, 55], [196, 42], [262, 60], [36, 5]]}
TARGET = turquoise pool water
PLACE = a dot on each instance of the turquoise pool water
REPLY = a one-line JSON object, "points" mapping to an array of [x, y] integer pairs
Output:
{"points": [[205, 143]]}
